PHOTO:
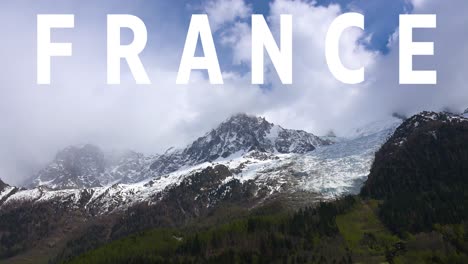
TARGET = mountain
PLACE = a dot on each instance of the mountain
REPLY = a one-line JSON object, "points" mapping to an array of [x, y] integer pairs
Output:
{"points": [[411, 174], [6, 191], [245, 133], [127, 167], [236, 136], [88, 166], [434, 140], [425, 162], [73, 167], [412, 209], [246, 162], [275, 159]]}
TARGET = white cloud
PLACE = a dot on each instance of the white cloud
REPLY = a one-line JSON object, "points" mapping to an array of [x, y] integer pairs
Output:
{"points": [[418, 3], [222, 12], [79, 108], [449, 60], [316, 100]]}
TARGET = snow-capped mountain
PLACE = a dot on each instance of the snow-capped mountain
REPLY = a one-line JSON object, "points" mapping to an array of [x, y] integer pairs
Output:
{"points": [[6, 191], [246, 162], [248, 178], [423, 119], [236, 136], [268, 158], [87, 166], [128, 167], [73, 167]]}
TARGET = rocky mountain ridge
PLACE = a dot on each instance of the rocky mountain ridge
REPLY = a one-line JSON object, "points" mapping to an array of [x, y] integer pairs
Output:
{"points": [[238, 135], [279, 162], [87, 166]]}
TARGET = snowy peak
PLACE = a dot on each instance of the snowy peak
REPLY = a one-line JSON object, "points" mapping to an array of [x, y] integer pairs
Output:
{"points": [[424, 121], [87, 166], [243, 133], [238, 135], [428, 117], [73, 167]]}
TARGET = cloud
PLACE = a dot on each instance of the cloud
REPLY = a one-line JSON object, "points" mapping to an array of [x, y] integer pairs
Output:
{"points": [[223, 12], [449, 61], [316, 100], [418, 3], [80, 108]]}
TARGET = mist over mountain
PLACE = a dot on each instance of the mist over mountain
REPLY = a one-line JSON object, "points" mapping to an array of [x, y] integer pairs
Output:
{"points": [[80, 108], [87, 166]]}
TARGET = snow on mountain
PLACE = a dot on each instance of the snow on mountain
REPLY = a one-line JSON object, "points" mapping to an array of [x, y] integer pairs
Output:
{"points": [[2, 184], [400, 136], [330, 170], [238, 135], [5, 191], [73, 167], [274, 159], [129, 167], [87, 166]]}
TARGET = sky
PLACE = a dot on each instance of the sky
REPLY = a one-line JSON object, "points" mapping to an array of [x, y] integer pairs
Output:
{"points": [[79, 107]]}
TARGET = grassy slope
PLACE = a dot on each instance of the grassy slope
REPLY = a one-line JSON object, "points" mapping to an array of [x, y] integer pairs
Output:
{"points": [[149, 245], [365, 235]]}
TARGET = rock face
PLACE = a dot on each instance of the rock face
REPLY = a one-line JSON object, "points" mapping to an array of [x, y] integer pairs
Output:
{"points": [[422, 173], [128, 167], [87, 166], [238, 135], [73, 167], [6, 191], [2, 185]]}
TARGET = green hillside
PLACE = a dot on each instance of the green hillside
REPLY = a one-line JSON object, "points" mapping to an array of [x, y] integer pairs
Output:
{"points": [[345, 231]]}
